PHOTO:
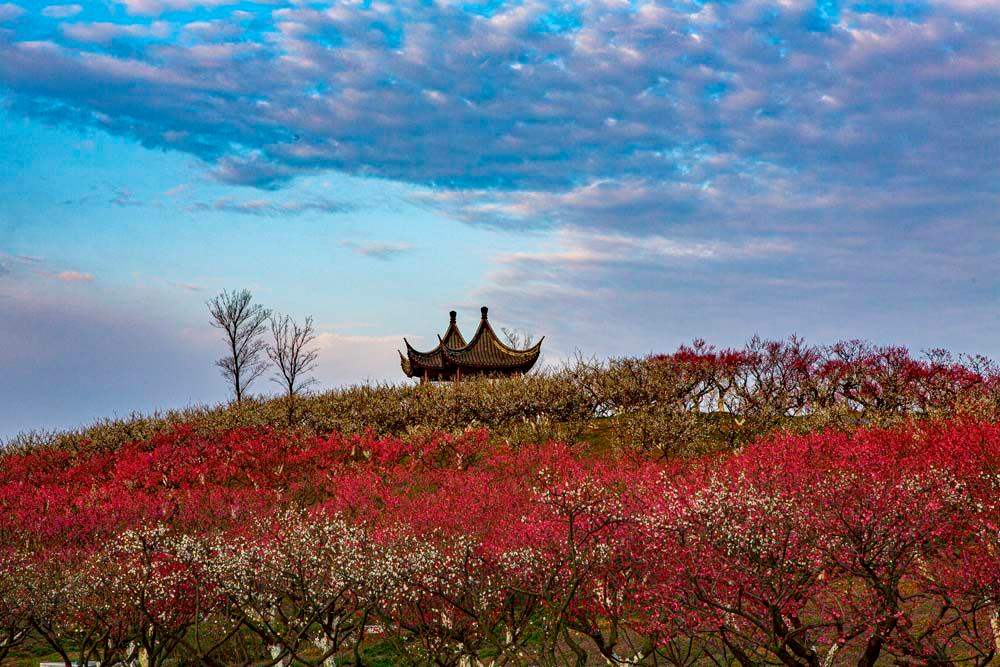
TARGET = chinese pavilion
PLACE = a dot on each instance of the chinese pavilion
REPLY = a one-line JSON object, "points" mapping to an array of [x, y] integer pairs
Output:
{"points": [[453, 358]]}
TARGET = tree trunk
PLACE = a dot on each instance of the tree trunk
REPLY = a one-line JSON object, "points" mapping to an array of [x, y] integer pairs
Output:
{"points": [[276, 651], [995, 624], [325, 644], [872, 651], [831, 654], [581, 654]]}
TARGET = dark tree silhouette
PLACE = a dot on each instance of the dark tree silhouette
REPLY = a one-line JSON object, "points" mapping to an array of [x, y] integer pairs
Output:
{"points": [[244, 323]]}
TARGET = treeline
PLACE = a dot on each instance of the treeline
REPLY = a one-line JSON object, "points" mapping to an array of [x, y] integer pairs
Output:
{"points": [[258, 547], [696, 399]]}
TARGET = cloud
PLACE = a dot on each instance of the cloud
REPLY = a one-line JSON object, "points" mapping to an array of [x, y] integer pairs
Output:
{"points": [[381, 251], [658, 113], [74, 277], [189, 287], [105, 32], [582, 248], [27, 259], [62, 11], [156, 7], [253, 170], [688, 156], [608, 295], [10, 11], [13, 265], [124, 197], [212, 31], [276, 209]]}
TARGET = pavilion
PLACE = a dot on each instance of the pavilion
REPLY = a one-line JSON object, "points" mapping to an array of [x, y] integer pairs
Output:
{"points": [[453, 358]]}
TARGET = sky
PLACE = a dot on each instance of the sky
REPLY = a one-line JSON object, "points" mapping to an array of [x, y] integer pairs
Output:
{"points": [[621, 176]]}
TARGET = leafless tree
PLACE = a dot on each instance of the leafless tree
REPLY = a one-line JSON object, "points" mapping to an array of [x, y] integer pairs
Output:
{"points": [[244, 323], [518, 339], [522, 340], [293, 355]]}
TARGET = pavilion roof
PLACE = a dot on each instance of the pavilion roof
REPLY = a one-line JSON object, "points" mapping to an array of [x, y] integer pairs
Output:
{"points": [[484, 353], [486, 350], [435, 358]]}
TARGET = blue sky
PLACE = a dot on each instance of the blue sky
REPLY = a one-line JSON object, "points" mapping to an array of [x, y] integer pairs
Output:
{"points": [[621, 176]]}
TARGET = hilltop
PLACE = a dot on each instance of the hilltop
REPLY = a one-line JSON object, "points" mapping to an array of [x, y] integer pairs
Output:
{"points": [[697, 399]]}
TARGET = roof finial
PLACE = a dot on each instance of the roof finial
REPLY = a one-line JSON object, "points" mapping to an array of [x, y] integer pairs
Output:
{"points": [[484, 310], [453, 316]]}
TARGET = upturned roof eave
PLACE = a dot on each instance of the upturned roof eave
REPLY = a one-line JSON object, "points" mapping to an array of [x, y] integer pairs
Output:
{"points": [[509, 358], [483, 352]]}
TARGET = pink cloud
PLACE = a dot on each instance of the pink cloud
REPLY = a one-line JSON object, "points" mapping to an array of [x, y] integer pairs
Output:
{"points": [[74, 277]]}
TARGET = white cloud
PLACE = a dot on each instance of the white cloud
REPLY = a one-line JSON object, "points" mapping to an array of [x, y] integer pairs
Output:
{"points": [[579, 247], [62, 11], [156, 7], [105, 32]]}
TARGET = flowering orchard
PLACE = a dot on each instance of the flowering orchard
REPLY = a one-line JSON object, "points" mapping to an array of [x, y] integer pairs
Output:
{"points": [[253, 546], [695, 400]]}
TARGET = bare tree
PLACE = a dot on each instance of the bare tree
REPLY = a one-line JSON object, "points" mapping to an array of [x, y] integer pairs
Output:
{"points": [[518, 339], [244, 323], [293, 356]]}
